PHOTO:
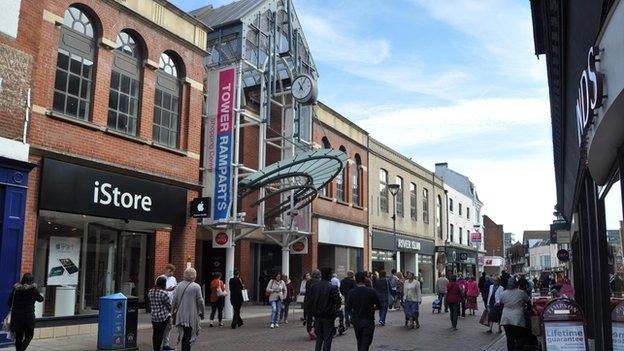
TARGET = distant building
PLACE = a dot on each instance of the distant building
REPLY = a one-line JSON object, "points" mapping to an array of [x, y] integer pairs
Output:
{"points": [[543, 258], [516, 258], [493, 237], [532, 237], [508, 239]]}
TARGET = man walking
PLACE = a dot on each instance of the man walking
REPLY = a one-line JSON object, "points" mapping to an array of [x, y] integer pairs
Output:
{"points": [[346, 285], [324, 304], [172, 283], [394, 283], [361, 304], [315, 278], [440, 289]]}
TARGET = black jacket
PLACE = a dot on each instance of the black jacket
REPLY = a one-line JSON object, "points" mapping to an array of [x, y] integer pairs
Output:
{"points": [[323, 300], [346, 285], [23, 300], [236, 291]]}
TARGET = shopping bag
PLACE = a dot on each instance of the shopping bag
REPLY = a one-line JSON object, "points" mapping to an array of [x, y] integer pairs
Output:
{"points": [[6, 324], [245, 295], [300, 298], [484, 318]]}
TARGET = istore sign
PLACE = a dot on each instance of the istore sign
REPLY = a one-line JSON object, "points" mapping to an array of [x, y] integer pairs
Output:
{"points": [[67, 187]]}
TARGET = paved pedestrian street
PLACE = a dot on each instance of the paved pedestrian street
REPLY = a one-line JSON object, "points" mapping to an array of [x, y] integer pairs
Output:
{"points": [[434, 334]]}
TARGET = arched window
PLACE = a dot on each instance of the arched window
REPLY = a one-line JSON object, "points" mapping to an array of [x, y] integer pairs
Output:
{"points": [[341, 181], [326, 191], [355, 182], [125, 85], [167, 102], [438, 219], [74, 65], [383, 190]]}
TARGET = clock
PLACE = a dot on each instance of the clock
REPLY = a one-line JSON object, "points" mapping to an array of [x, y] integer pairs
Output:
{"points": [[304, 89]]}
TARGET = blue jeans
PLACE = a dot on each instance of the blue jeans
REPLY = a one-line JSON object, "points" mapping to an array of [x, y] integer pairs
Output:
{"points": [[275, 310], [383, 311]]}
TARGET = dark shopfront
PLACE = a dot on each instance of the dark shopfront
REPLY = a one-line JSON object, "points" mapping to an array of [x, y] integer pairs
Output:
{"points": [[96, 236], [416, 255], [582, 41], [461, 260]]}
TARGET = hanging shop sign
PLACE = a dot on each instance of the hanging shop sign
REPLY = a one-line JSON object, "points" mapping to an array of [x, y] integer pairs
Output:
{"points": [[564, 326], [222, 239], [200, 207], [218, 138], [475, 237], [67, 187], [590, 94], [300, 247], [563, 255], [63, 261], [617, 326]]}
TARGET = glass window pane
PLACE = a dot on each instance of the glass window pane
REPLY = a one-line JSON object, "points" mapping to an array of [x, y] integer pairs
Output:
{"points": [[166, 119], [59, 102], [74, 85], [72, 106], [125, 84], [112, 119], [112, 100], [156, 133], [84, 88], [75, 65], [135, 88], [156, 115], [122, 122], [114, 80], [166, 101], [82, 109], [62, 59], [123, 103], [173, 139], [87, 68], [60, 82], [174, 104], [164, 136], [158, 98]]}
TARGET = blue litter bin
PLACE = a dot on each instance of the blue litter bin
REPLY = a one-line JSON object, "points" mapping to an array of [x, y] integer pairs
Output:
{"points": [[112, 322]]}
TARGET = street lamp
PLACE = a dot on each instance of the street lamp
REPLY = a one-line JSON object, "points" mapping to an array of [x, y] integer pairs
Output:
{"points": [[394, 190]]}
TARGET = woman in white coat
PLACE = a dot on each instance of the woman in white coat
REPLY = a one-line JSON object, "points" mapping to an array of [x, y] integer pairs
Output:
{"points": [[494, 306]]}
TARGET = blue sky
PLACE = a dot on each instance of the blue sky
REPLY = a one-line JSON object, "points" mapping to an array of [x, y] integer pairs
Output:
{"points": [[442, 81]]}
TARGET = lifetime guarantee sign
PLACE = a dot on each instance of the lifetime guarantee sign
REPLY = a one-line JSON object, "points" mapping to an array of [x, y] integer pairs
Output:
{"points": [[223, 144]]}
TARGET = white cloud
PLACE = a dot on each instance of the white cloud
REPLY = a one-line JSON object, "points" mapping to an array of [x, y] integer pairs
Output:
{"points": [[409, 126]]}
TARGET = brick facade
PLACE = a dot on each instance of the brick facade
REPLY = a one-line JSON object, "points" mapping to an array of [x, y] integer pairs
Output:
{"points": [[493, 237], [91, 143]]}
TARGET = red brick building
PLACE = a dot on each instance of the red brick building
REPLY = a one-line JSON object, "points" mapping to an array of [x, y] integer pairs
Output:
{"points": [[114, 139], [493, 237]]}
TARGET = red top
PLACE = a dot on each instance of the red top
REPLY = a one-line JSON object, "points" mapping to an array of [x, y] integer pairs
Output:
{"points": [[453, 292], [214, 284]]}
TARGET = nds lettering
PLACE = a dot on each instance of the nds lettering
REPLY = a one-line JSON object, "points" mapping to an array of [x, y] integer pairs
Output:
{"points": [[106, 194]]}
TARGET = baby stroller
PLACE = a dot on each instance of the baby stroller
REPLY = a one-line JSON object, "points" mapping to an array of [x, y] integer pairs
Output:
{"points": [[436, 305]]}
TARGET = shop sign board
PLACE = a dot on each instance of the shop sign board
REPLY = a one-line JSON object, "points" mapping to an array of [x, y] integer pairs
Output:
{"points": [[300, 247], [222, 239], [200, 207], [564, 326], [617, 326], [475, 237], [563, 255], [63, 261], [590, 93], [66, 187], [223, 129], [408, 244]]}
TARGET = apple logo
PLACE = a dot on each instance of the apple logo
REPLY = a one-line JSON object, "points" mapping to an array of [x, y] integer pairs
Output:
{"points": [[200, 206]]}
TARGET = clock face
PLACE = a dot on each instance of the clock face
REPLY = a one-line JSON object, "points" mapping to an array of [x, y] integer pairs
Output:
{"points": [[302, 88]]}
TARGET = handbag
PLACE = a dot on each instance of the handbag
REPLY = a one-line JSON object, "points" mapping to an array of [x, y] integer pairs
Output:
{"points": [[300, 298], [245, 295], [6, 323], [175, 311], [484, 318]]}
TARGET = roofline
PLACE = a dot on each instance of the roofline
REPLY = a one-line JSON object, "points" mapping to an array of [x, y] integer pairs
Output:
{"points": [[185, 14], [400, 155], [341, 117]]}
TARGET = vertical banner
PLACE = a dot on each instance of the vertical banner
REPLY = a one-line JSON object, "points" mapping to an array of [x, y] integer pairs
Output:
{"points": [[219, 140]]}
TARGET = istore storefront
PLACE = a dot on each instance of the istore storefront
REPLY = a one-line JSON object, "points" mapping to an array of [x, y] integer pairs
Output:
{"points": [[96, 235]]}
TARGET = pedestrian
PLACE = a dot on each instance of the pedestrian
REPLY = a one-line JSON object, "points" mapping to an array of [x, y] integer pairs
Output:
{"points": [[567, 290], [440, 289], [188, 309], [264, 280], [160, 311], [314, 279], [335, 281], [514, 301], [462, 304], [482, 280], [394, 284], [495, 309], [453, 297], [369, 280], [346, 285], [236, 298], [276, 288], [361, 304], [472, 293], [22, 308], [504, 279], [302, 292], [172, 282], [486, 290], [412, 300], [288, 298], [218, 293], [399, 293], [324, 304], [382, 287]]}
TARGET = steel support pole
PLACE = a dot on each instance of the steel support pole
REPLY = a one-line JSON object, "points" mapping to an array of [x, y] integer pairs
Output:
{"points": [[396, 244], [286, 261]]}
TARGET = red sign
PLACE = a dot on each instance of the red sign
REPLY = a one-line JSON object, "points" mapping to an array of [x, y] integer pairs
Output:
{"points": [[298, 246], [475, 237], [222, 238]]}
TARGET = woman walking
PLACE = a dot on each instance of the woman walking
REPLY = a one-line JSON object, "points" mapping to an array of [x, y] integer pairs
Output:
{"points": [[22, 304], [276, 289], [472, 293], [382, 287], [188, 307], [413, 298], [160, 310], [288, 298], [514, 301], [217, 298], [399, 290], [236, 297], [495, 309], [453, 297], [302, 291]]}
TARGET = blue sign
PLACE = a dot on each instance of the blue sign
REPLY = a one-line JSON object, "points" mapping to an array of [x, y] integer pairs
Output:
{"points": [[223, 147]]}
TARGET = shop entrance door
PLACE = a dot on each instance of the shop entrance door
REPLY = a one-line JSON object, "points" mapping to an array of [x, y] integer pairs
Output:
{"points": [[99, 276], [133, 257]]}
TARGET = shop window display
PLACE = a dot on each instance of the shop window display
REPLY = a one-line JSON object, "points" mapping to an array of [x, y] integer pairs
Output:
{"points": [[613, 222]]}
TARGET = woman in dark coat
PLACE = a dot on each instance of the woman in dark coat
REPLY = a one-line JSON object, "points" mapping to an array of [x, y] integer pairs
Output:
{"points": [[236, 297], [22, 304], [382, 287]]}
